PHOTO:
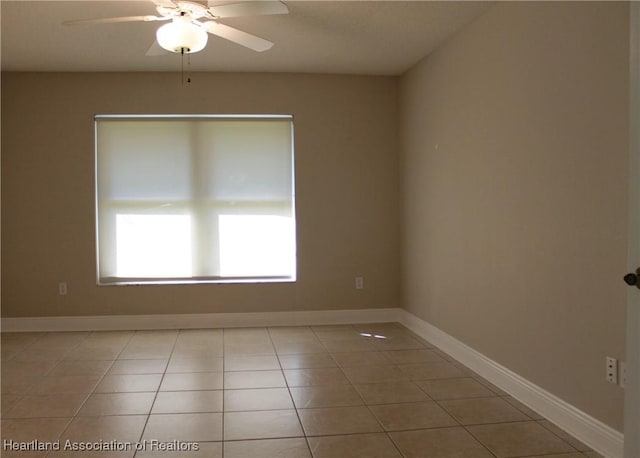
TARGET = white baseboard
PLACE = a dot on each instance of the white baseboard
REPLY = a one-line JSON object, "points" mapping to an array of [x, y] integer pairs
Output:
{"points": [[199, 320], [600, 437]]}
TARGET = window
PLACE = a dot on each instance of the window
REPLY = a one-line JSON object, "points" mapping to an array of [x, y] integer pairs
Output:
{"points": [[195, 198]]}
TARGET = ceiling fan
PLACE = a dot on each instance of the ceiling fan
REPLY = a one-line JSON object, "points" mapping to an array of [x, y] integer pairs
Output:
{"points": [[191, 21]]}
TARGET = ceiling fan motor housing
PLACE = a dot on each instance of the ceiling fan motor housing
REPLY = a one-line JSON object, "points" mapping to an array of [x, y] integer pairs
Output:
{"points": [[184, 8], [182, 36]]}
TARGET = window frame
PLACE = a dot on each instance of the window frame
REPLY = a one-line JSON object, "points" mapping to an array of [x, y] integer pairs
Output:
{"points": [[215, 207]]}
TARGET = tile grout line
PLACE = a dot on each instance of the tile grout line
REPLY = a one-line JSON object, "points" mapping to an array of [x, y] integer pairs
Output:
{"points": [[71, 420], [466, 428], [286, 382], [224, 388], [386, 433], [498, 396], [559, 437], [23, 395], [144, 427], [222, 413], [463, 427]]}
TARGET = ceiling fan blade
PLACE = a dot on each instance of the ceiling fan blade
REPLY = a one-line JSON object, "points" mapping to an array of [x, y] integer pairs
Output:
{"points": [[156, 50], [250, 8], [111, 20], [237, 36]]}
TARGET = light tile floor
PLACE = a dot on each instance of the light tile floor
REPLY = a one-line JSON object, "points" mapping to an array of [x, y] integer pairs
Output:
{"points": [[361, 390]]}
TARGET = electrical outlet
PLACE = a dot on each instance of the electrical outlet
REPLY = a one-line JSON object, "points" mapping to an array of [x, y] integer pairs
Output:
{"points": [[612, 370], [62, 288], [359, 283], [623, 374]]}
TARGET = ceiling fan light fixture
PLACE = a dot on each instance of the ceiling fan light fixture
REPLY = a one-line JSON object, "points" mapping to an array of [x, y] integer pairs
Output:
{"points": [[182, 36]]}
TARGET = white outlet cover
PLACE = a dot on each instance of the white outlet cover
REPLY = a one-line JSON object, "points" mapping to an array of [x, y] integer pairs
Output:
{"points": [[62, 288], [612, 370]]}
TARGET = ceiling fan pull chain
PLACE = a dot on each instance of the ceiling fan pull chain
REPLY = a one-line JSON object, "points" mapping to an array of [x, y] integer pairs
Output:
{"points": [[189, 68], [182, 66]]}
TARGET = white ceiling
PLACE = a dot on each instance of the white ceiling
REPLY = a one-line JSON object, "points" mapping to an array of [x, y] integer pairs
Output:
{"points": [[350, 37]]}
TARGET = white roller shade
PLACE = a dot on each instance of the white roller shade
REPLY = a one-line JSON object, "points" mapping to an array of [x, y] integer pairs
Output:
{"points": [[194, 198], [247, 161], [144, 160]]}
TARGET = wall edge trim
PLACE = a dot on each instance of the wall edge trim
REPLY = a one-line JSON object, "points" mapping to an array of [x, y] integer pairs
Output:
{"points": [[589, 430]]}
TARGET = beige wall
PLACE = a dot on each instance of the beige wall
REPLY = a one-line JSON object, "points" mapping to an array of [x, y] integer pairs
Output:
{"points": [[514, 193], [347, 189]]}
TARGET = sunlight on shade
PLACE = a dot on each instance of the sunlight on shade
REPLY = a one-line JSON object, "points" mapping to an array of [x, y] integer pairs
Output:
{"points": [[153, 245], [256, 245]]}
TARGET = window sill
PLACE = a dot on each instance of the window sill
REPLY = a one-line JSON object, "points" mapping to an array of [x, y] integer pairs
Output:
{"points": [[192, 281]]}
